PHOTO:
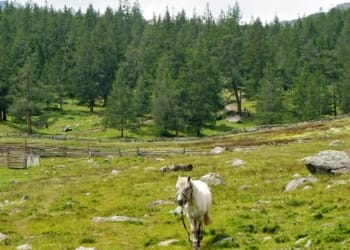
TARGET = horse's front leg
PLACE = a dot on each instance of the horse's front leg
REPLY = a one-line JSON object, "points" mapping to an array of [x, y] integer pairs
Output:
{"points": [[200, 233], [195, 228]]}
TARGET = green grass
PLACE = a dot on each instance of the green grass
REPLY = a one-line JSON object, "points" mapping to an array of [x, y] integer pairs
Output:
{"points": [[85, 124], [52, 206]]}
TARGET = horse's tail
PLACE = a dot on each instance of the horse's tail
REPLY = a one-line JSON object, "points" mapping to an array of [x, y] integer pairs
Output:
{"points": [[207, 219]]}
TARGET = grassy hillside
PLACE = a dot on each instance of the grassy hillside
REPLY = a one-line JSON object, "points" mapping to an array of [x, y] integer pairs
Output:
{"points": [[53, 206], [85, 124]]}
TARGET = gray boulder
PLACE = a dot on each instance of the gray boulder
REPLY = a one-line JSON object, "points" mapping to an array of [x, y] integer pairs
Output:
{"points": [[213, 179], [328, 162], [294, 184]]}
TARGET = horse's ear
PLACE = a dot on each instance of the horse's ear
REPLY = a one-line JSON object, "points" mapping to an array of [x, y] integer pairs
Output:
{"points": [[189, 178]]}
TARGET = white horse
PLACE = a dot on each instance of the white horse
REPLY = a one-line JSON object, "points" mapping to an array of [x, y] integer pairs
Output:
{"points": [[194, 197]]}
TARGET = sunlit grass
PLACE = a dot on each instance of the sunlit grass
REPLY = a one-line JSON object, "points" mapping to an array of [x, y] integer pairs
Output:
{"points": [[52, 206]]}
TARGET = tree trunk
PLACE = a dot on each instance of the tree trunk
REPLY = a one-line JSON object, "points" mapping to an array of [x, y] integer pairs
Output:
{"points": [[4, 115], [29, 124], [91, 104], [60, 100], [105, 100], [122, 132], [198, 132], [237, 93]]}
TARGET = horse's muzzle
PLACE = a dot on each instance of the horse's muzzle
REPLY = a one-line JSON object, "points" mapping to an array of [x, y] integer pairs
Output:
{"points": [[181, 200]]}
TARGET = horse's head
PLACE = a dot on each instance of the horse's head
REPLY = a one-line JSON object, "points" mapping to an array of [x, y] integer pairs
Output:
{"points": [[183, 190]]}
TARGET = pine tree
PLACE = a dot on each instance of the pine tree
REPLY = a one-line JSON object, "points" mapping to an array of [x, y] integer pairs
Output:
{"points": [[120, 111], [199, 81], [229, 52], [345, 88], [270, 108], [29, 93], [167, 110], [5, 64], [254, 57]]}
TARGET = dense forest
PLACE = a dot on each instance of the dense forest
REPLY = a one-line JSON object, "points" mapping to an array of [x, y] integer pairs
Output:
{"points": [[177, 70]]}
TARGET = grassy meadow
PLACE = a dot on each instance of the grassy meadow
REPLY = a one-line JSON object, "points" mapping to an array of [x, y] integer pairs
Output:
{"points": [[53, 206]]}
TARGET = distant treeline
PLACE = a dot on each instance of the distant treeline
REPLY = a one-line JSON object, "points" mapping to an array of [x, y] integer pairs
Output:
{"points": [[173, 69]]}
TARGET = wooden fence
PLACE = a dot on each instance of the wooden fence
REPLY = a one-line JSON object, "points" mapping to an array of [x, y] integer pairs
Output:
{"points": [[67, 137], [20, 156], [16, 156]]}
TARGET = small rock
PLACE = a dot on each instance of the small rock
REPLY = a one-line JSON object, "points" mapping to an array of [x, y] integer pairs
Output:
{"points": [[170, 168], [115, 172], [67, 128], [335, 143], [267, 238], [238, 163], [213, 179], [167, 243], [303, 242], [3, 237], [217, 150], [116, 219], [109, 158], [292, 185], [24, 247], [176, 211], [159, 203], [86, 248]]}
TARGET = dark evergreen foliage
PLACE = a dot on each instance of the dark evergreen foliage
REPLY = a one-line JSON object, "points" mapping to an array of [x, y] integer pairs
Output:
{"points": [[174, 68]]}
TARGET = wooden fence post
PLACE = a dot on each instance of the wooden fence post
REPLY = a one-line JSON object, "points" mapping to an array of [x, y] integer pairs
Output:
{"points": [[25, 153]]}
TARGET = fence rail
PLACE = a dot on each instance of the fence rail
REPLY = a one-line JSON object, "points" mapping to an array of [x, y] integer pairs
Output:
{"points": [[67, 137], [17, 157], [14, 155]]}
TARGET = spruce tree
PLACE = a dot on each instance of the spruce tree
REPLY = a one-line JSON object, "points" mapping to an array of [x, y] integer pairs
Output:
{"points": [[120, 111], [28, 93]]}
